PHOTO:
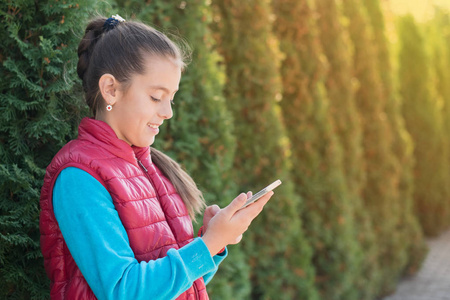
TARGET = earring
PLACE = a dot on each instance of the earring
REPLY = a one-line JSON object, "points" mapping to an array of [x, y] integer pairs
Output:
{"points": [[109, 107]]}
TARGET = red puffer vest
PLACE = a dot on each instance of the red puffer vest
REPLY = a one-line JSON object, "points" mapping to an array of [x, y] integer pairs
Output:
{"points": [[153, 214]]}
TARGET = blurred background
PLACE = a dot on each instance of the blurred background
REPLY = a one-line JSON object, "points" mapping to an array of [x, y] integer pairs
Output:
{"points": [[346, 101]]}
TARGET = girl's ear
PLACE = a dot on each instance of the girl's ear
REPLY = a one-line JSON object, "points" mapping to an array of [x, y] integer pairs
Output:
{"points": [[108, 86]]}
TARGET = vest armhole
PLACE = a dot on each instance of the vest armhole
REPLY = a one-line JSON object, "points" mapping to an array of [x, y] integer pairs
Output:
{"points": [[76, 165]]}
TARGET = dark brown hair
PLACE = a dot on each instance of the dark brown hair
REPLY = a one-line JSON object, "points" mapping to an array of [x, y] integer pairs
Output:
{"points": [[120, 52]]}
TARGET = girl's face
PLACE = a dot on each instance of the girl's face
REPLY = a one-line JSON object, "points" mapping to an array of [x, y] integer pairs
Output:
{"points": [[139, 111]]}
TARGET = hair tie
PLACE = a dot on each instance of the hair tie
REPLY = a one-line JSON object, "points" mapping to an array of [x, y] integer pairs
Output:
{"points": [[112, 22]]}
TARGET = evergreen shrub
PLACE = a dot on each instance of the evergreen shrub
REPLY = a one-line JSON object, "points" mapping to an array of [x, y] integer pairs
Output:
{"points": [[424, 120], [380, 192], [318, 171], [409, 246], [40, 107], [340, 86], [278, 252]]}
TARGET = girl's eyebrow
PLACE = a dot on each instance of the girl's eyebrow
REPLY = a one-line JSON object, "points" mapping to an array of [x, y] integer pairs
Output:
{"points": [[159, 87]]}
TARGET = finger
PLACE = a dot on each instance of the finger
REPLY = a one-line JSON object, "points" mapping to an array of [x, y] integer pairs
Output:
{"points": [[237, 240], [210, 209], [249, 194], [254, 209], [263, 201], [236, 204], [214, 209]]}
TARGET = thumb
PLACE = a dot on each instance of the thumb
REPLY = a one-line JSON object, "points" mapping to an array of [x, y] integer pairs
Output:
{"points": [[236, 204], [214, 209]]}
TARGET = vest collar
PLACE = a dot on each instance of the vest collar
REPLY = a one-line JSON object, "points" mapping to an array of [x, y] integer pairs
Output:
{"points": [[100, 133]]}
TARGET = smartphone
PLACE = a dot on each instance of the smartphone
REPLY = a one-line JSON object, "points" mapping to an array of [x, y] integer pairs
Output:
{"points": [[261, 193]]}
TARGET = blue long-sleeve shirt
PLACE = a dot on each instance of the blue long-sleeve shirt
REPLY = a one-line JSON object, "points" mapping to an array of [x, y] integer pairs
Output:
{"points": [[99, 244]]}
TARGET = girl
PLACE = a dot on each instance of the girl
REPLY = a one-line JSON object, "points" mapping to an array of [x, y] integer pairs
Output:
{"points": [[116, 214]]}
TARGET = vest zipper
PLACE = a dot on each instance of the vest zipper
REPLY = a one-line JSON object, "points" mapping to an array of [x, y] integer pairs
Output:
{"points": [[149, 179], [142, 166], [197, 296]]}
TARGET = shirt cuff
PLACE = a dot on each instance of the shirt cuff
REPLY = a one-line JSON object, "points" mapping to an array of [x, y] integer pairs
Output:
{"points": [[197, 257]]}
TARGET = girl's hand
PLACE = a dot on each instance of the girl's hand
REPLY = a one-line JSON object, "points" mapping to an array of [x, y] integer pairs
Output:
{"points": [[228, 224], [211, 211]]}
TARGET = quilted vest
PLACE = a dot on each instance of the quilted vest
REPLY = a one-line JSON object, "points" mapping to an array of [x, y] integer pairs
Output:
{"points": [[153, 214]]}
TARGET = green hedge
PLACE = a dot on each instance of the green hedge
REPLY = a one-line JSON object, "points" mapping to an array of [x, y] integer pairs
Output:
{"points": [[317, 154], [409, 243], [380, 192], [340, 85], [424, 120], [278, 252], [40, 107]]}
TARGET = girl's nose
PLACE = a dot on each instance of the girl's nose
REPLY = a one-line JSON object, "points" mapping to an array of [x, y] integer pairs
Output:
{"points": [[165, 111]]}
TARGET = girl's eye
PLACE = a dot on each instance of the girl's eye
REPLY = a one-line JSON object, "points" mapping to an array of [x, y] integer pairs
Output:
{"points": [[159, 100]]}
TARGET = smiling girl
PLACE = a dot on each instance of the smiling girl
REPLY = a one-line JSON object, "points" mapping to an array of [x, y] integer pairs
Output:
{"points": [[116, 214]]}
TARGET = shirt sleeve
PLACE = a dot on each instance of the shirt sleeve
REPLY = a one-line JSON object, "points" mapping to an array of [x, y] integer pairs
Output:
{"points": [[217, 260], [99, 244]]}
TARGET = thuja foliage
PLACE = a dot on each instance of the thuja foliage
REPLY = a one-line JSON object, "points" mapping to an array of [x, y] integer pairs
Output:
{"points": [[409, 246], [424, 120], [437, 47], [336, 47], [316, 153], [439, 28], [340, 87], [380, 192], [40, 107], [278, 253], [199, 136]]}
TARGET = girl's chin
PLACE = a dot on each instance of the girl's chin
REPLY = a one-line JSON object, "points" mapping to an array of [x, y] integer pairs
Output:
{"points": [[147, 143]]}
